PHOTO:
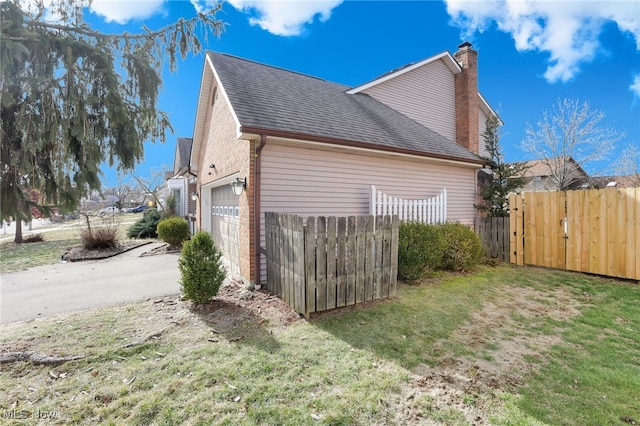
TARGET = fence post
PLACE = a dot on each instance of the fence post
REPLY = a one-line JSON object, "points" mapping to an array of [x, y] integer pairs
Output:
{"points": [[373, 201], [310, 264]]}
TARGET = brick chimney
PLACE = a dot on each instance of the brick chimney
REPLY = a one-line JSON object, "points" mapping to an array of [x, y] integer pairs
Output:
{"points": [[466, 84]]}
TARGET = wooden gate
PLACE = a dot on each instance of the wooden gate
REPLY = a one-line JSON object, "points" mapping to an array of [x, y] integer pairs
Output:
{"points": [[594, 231], [331, 262], [494, 235]]}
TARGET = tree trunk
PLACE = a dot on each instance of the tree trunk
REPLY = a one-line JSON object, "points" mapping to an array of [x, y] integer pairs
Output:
{"points": [[18, 237]]}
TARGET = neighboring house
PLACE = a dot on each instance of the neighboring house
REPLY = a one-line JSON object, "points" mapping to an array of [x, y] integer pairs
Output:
{"points": [[181, 183], [544, 175], [600, 182], [308, 146]]}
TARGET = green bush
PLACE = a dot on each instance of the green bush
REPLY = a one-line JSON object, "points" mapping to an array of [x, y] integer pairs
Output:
{"points": [[173, 230], [420, 250], [170, 206], [463, 248], [201, 268], [147, 226]]}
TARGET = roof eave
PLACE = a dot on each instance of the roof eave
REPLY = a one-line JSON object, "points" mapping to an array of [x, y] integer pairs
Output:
{"points": [[209, 76], [253, 132]]}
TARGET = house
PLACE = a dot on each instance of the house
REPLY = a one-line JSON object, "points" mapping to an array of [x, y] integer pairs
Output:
{"points": [[548, 174], [601, 182], [289, 142], [181, 183]]}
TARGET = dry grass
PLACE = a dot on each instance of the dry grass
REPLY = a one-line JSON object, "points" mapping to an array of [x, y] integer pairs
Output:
{"points": [[501, 346], [57, 239]]}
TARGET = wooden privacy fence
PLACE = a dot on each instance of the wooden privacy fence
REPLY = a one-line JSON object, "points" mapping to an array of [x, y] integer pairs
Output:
{"points": [[429, 210], [594, 231], [494, 235], [331, 262]]}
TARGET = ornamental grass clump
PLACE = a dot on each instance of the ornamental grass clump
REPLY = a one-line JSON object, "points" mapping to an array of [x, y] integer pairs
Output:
{"points": [[201, 268], [101, 238], [173, 230]]}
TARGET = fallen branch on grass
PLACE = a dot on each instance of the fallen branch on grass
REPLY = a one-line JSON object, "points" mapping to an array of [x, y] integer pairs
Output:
{"points": [[145, 340], [36, 358]]}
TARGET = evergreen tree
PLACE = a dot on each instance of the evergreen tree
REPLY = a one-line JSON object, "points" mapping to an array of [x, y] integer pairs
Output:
{"points": [[73, 98], [505, 177]]}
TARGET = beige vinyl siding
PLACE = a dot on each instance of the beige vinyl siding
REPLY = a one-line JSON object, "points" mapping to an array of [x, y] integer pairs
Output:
{"points": [[425, 94], [313, 182]]}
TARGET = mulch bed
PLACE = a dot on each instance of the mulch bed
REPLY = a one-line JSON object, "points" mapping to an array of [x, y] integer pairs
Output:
{"points": [[77, 254]]}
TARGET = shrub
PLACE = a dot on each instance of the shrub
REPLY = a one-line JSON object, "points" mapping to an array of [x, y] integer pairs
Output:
{"points": [[420, 250], [173, 230], [463, 248], [170, 206], [33, 238], [104, 237], [201, 268], [146, 226]]}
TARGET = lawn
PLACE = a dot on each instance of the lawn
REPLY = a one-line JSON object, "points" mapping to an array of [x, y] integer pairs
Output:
{"points": [[58, 238], [503, 345]]}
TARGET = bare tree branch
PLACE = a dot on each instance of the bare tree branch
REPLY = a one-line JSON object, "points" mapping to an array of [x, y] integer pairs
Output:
{"points": [[569, 137]]}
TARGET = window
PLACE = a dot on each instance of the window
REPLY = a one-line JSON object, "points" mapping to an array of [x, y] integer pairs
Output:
{"points": [[224, 202]]}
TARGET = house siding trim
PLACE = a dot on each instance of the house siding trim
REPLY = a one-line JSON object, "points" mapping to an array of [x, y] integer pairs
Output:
{"points": [[253, 133]]}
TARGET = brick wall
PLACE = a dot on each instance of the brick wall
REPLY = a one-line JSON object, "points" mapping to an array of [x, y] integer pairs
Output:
{"points": [[228, 155], [467, 102]]}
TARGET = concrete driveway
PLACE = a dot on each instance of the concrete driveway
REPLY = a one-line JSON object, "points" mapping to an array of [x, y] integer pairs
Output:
{"points": [[44, 291]]}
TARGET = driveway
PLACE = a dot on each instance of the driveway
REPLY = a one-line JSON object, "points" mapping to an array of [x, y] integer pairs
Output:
{"points": [[45, 291]]}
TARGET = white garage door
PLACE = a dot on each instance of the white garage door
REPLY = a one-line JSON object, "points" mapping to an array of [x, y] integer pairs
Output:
{"points": [[225, 214]]}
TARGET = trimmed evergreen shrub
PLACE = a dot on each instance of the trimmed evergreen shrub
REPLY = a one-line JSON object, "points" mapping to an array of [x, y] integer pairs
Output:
{"points": [[200, 265], [173, 230], [463, 248], [146, 226], [170, 206], [420, 250]]}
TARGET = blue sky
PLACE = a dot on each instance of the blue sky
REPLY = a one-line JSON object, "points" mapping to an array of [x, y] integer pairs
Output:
{"points": [[531, 53]]}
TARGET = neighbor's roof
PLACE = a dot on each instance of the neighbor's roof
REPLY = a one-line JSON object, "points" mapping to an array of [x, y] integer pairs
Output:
{"points": [[542, 167], [272, 100]]}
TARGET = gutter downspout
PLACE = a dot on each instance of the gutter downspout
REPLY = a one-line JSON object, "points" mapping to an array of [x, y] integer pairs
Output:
{"points": [[256, 207]]}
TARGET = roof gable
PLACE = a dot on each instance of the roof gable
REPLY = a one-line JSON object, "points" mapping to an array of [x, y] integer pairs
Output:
{"points": [[446, 57], [269, 99], [183, 154]]}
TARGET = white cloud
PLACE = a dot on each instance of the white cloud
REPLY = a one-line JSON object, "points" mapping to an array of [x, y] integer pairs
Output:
{"points": [[635, 86], [285, 17], [122, 11], [567, 30]]}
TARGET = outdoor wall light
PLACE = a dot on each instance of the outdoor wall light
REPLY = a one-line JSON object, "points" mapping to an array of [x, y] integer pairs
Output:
{"points": [[212, 166], [194, 195], [239, 185]]}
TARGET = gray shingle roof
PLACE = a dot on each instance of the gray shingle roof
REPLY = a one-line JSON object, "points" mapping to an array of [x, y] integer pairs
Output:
{"points": [[184, 151], [270, 98]]}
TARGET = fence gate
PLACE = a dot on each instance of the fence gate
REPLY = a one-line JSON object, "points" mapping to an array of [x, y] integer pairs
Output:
{"points": [[494, 235], [331, 261], [593, 231]]}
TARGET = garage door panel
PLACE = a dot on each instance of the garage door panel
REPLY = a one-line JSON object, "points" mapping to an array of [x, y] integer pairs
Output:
{"points": [[225, 225]]}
